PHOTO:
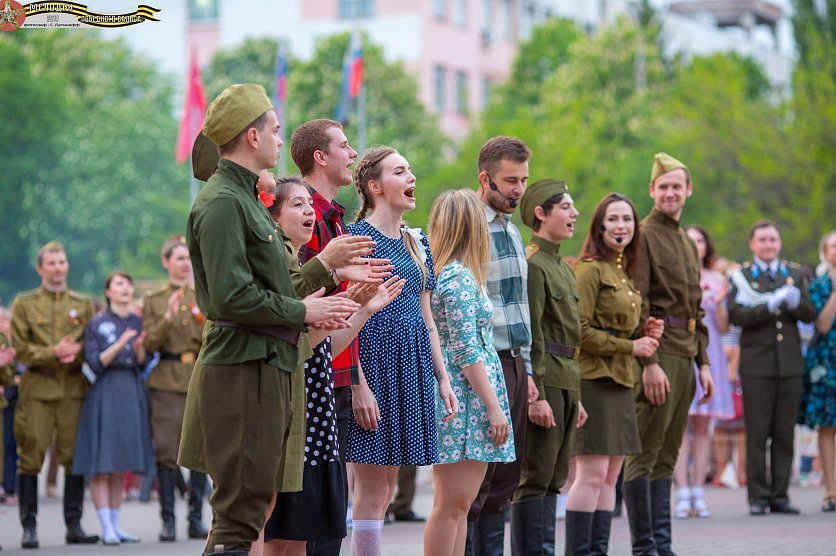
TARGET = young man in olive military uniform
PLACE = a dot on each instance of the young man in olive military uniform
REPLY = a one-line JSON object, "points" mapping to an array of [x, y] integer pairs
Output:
{"points": [[173, 325], [768, 298], [548, 209], [243, 285], [503, 174], [668, 278], [47, 330]]}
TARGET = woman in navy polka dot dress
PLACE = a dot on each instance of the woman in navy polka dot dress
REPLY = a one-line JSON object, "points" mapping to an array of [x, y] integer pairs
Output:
{"points": [[400, 354]]}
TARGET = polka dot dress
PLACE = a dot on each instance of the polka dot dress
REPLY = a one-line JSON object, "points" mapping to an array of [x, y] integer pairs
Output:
{"points": [[396, 358], [321, 441]]}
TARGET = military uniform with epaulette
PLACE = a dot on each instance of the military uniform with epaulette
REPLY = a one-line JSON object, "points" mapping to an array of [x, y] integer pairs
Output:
{"points": [[178, 342], [771, 370], [555, 345], [51, 395]]}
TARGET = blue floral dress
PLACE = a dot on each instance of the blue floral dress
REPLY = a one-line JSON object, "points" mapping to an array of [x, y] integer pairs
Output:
{"points": [[396, 359], [818, 400], [463, 315]]}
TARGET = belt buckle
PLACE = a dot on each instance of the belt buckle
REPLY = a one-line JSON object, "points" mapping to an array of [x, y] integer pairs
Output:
{"points": [[187, 358], [692, 325], [515, 352], [577, 352]]}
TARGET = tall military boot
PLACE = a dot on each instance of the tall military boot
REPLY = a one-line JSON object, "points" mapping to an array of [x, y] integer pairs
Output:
{"points": [[489, 535], [601, 521], [197, 491], [527, 527], [73, 506], [549, 519], [165, 486], [27, 492], [578, 532], [468, 543], [637, 502], [660, 507]]}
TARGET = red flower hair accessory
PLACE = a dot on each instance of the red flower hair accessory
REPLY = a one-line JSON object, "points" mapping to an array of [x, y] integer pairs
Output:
{"points": [[267, 199]]}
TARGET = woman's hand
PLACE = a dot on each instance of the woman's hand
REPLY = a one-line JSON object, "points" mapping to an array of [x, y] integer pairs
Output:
{"points": [[449, 399], [654, 327], [645, 346], [128, 335], [540, 413], [499, 430], [173, 306], [582, 415], [364, 405]]}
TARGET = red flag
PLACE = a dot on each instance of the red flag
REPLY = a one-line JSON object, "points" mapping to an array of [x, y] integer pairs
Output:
{"points": [[194, 108]]}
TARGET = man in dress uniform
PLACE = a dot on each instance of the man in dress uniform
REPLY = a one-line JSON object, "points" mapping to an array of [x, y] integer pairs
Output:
{"points": [[503, 174], [243, 285], [769, 296], [173, 325], [668, 278], [47, 330]]}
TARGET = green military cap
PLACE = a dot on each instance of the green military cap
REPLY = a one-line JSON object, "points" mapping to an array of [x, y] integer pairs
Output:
{"points": [[204, 157], [233, 110], [538, 193], [664, 163]]}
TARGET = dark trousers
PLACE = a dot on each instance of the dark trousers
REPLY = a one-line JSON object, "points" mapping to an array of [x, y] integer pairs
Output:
{"points": [[9, 444], [406, 490], [501, 479], [245, 416], [342, 405], [770, 407]]}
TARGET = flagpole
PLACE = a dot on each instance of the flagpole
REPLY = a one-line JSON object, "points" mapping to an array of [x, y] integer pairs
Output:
{"points": [[362, 124]]}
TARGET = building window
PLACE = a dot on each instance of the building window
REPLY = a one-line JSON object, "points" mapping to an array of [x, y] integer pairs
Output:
{"points": [[440, 88], [507, 20], [460, 16], [486, 92], [461, 92], [351, 9], [203, 10], [440, 9]]}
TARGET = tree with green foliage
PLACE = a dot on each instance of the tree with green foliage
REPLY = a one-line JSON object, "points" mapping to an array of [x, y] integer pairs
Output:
{"points": [[90, 158]]}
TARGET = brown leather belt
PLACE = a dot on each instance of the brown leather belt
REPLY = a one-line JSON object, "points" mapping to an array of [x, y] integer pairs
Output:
{"points": [[562, 350], [186, 357], [680, 324], [614, 332], [290, 336]]}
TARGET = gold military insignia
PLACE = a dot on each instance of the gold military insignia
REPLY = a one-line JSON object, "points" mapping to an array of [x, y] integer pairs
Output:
{"points": [[531, 250]]}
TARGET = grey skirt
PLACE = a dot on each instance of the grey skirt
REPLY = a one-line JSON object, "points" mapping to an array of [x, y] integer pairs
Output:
{"points": [[611, 428]]}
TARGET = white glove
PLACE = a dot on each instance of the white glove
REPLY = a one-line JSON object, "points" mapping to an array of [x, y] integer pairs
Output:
{"points": [[778, 297], [793, 297]]}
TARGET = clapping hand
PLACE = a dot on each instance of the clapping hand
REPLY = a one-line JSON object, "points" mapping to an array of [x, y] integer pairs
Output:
{"points": [[654, 327]]}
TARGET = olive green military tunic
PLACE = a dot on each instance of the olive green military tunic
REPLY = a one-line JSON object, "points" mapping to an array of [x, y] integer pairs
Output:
{"points": [[668, 278], [243, 379], [610, 310], [51, 392], [555, 326], [178, 342], [771, 369]]}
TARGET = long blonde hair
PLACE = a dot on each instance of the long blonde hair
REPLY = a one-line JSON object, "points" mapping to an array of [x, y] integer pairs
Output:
{"points": [[458, 230], [368, 168]]}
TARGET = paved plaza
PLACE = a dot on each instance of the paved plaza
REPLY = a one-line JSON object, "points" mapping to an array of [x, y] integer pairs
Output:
{"points": [[729, 532]]}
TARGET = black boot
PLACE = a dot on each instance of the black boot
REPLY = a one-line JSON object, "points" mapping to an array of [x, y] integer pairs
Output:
{"points": [[27, 492], [488, 535], [637, 502], [601, 522], [616, 512], [527, 527], [197, 491], [165, 487], [73, 505], [549, 519], [468, 544], [660, 507], [578, 532]]}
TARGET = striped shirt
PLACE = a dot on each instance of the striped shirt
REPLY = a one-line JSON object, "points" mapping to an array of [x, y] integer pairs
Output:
{"points": [[508, 287]]}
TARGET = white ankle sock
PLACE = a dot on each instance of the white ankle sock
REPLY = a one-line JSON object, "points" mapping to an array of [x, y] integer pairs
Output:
{"points": [[365, 537], [108, 531], [114, 518]]}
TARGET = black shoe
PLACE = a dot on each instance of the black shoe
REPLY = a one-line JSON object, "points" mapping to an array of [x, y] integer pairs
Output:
{"points": [[28, 506], [783, 508], [168, 533], [758, 507], [197, 530], [29, 538], [410, 516], [829, 504], [77, 535]]}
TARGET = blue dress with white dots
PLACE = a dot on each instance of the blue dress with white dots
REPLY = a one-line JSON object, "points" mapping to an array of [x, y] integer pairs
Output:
{"points": [[396, 358]]}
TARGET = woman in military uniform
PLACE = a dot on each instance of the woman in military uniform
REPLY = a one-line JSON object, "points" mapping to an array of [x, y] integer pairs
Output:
{"points": [[610, 308]]}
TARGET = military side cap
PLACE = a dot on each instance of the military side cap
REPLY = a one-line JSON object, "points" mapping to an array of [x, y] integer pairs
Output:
{"points": [[205, 157], [538, 193], [233, 110], [664, 163]]}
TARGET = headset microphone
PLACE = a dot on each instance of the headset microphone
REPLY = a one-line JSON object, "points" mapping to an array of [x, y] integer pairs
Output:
{"points": [[511, 202], [619, 240]]}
